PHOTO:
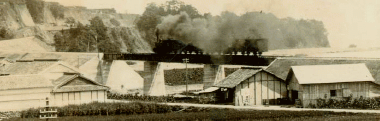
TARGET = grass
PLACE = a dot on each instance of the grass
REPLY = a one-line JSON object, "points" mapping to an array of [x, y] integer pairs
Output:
{"points": [[229, 114]]}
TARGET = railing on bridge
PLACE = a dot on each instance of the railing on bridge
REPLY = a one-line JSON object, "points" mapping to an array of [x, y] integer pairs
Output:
{"points": [[195, 58]]}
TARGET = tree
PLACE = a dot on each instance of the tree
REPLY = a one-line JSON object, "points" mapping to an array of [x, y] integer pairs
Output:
{"points": [[115, 22], [151, 17], [103, 40], [57, 10]]}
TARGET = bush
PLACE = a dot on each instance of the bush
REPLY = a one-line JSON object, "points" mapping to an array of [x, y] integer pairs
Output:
{"points": [[115, 22], [178, 76], [348, 103], [162, 99], [105, 109]]}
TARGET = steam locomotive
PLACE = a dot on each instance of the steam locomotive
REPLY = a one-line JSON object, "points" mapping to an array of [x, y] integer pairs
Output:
{"points": [[244, 47]]}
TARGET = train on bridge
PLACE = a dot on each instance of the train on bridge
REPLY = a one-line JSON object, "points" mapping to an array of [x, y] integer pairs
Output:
{"points": [[253, 47]]}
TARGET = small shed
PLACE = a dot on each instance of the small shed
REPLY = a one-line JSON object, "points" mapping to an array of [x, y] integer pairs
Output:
{"points": [[311, 82], [253, 86]]}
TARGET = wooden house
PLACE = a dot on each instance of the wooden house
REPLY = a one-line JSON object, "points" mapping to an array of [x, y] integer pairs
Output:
{"points": [[252, 86], [311, 82]]}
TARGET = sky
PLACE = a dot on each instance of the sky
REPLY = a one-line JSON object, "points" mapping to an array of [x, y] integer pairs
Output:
{"points": [[347, 21]]}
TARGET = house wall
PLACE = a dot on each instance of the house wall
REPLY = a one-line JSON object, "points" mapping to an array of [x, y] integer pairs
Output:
{"points": [[66, 98], [312, 92], [374, 90], [260, 89], [294, 86], [21, 99]]}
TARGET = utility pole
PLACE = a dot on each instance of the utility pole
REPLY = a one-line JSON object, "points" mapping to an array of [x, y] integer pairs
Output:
{"points": [[97, 47], [186, 60]]}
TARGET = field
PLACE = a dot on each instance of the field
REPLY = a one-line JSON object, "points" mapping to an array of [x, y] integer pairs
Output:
{"points": [[229, 114]]}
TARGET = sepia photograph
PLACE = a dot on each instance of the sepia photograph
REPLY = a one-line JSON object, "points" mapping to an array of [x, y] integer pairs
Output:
{"points": [[190, 60]]}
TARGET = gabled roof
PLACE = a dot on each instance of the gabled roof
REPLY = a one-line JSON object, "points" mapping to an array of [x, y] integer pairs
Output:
{"points": [[280, 67], [24, 68], [317, 74], [62, 81], [237, 77], [24, 82]]}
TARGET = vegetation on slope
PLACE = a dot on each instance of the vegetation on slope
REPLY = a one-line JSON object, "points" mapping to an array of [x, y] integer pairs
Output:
{"points": [[86, 39], [57, 10], [36, 9], [178, 76], [195, 75]]}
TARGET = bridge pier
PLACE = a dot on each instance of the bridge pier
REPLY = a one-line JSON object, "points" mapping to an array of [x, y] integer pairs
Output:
{"points": [[154, 84], [212, 75]]}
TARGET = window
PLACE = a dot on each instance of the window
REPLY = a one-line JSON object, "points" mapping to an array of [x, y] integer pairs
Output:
{"points": [[332, 93], [122, 86]]}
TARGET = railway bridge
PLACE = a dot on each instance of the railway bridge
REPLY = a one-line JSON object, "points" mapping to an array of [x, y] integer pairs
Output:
{"points": [[213, 71]]}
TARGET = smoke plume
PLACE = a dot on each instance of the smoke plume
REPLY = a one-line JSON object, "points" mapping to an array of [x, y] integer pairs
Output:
{"points": [[220, 32]]}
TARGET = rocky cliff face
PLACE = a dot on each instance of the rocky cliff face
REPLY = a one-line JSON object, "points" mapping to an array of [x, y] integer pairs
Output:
{"points": [[14, 16], [18, 22]]}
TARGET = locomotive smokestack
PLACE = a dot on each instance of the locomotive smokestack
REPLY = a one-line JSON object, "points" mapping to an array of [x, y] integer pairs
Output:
{"points": [[158, 34]]}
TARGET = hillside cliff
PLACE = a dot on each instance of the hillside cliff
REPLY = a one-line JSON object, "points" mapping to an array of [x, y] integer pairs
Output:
{"points": [[14, 15], [26, 18]]}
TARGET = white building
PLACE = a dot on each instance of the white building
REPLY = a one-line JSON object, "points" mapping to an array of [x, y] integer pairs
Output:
{"points": [[21, 92]]}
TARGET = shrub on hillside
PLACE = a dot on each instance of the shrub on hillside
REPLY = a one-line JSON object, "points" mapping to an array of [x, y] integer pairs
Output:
{"points": [[115, 22], [36, 10], [178, 76], [57, 10]]}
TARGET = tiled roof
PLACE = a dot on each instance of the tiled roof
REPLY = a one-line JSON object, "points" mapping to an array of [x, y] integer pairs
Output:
{"points": [[24, 81], [72, 58], [24, 68], [317, 74], [237, 77], [280, 67]]}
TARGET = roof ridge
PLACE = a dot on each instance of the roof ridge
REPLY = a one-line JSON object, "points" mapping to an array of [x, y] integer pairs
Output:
{"points": [[22, 75], [325, 58], [332, 64]]}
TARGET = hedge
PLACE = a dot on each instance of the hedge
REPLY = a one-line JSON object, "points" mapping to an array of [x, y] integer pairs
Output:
{"points": [[347, 103], [195, 75], [178, 76], [96, 108], [162, 99]]}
